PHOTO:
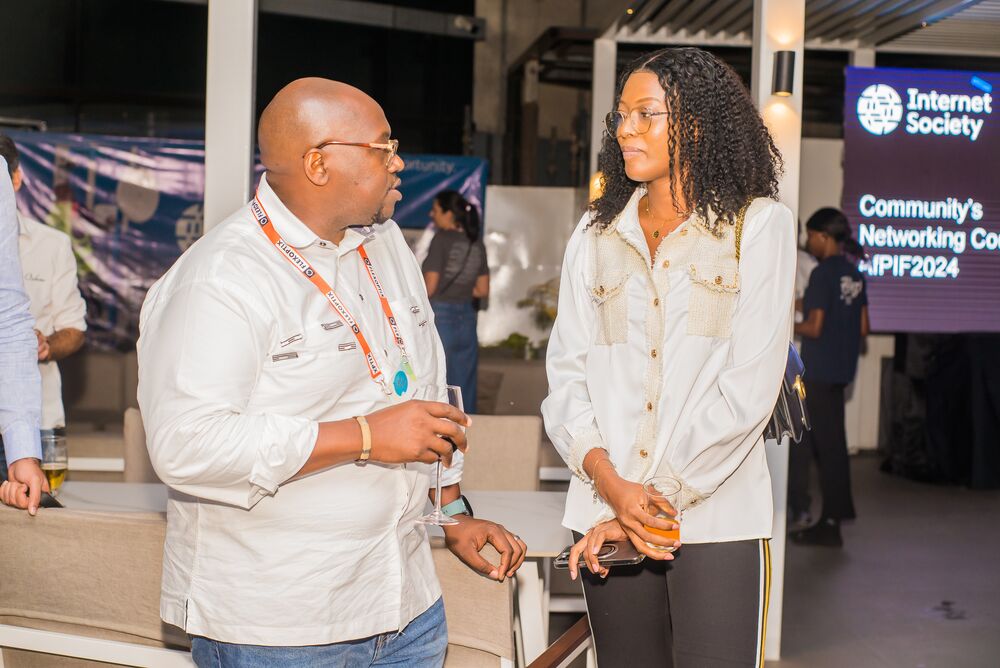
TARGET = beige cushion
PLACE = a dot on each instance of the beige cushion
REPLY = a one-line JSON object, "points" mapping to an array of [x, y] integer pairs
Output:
{"points": [[98, 575], [523, 387], [138, 468], [94, 574], [503, 453]]}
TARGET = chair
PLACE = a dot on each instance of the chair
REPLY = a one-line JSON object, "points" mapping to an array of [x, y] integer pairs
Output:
{"points": [[503, 455], [138, 467], [480, 612]]}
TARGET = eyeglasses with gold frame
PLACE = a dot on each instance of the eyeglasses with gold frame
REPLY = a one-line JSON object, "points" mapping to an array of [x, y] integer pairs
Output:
{"points": [[391, 147]]}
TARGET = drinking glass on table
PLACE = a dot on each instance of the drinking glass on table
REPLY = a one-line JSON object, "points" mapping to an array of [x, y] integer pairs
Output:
{"points": [[451, 394], [55, 459], [662, 500]]}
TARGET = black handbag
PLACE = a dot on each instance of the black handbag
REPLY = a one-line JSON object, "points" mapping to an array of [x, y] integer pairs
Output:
{"points": [[790, 416]]}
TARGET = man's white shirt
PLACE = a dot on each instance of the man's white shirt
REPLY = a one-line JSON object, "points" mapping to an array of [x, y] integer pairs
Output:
{"points": [[240, 358], [49, 269]]}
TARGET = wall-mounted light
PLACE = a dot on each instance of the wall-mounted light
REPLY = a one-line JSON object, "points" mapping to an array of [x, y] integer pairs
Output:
{"points": [[784, 73]]}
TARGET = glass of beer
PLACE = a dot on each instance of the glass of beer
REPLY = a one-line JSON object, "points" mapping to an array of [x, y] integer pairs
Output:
{"points": [[662, 500], [55, 459]]}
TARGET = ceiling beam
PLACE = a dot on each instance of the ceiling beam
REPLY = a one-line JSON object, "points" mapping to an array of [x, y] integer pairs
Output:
{"points": [[680, 21], [704, 20], [356, 12], [930, 14]]}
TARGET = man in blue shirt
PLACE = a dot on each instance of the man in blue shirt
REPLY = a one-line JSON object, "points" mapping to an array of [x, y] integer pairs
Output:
{"points": [[20, 386], [835, 310]]}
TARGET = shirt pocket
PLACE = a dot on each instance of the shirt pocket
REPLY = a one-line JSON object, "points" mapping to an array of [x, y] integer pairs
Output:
{"points": [[321, 358], [610, 298], [714, 291], [413, 319]]}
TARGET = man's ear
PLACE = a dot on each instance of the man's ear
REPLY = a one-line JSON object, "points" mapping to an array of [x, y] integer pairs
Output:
{"points": [[17, 178], [315, 168]]}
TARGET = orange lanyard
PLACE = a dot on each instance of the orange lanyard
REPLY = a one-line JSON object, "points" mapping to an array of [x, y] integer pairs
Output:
{"points": [[300, 263]]}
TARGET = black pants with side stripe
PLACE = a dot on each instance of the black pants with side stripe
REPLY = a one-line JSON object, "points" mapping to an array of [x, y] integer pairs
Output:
{"points": [[704, 609]]}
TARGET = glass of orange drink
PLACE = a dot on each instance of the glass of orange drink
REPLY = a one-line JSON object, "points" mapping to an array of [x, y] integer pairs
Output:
{"points": [[663, 501]]}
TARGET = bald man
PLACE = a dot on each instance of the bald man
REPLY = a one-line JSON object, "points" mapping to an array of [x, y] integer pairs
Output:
{"points": [[284, 365]]}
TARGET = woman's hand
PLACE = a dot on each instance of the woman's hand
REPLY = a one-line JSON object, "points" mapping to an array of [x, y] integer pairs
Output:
{"points": [[590, 545], [628, 500]]}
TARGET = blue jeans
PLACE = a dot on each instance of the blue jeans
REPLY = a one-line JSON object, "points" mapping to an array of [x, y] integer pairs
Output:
{"points": [[456, 325], [421, 644]]}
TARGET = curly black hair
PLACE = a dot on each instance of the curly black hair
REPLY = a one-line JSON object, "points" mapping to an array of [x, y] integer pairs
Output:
{"points": [[716, 140]]}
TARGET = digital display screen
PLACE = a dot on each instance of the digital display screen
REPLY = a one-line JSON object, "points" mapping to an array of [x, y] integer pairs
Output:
{"points": [[922, 192]]}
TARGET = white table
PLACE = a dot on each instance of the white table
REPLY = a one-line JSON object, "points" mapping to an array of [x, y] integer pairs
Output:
{"points": [[534, 516]]}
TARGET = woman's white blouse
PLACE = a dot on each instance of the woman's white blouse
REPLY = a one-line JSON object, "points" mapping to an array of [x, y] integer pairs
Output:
{"points": [[673, 363]]}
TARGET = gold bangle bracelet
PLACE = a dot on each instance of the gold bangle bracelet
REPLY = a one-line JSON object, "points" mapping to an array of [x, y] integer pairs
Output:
{"points": [[366, 440], [596, 467]]}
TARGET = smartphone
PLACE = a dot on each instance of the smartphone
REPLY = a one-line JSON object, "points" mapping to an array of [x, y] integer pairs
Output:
{"points": [[611, 554], [49, 501]]}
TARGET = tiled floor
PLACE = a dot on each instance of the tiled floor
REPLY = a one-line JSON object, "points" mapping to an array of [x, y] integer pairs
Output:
{"points": [[916, 584]]}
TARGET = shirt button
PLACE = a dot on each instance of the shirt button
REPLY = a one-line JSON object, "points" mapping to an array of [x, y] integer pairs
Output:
{"points": [[649, 405], [653, 353], [643, 454], [656, 302], [718, 280], [323, 244], [666, 264]]}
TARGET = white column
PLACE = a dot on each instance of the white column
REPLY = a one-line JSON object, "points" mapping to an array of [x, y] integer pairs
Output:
{"points": [[862, 57], [603, 95], [229, 106], [779, 25]]}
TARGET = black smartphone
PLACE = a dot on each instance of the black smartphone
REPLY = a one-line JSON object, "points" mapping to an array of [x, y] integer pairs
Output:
{"points": [[611, 554], [49, 501]]}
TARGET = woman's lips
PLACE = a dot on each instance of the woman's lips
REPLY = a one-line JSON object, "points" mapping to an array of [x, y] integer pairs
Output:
{"points": [[631, 152]]}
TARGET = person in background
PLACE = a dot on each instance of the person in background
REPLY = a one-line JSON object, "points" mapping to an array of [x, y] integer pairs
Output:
{"points": [[675, 306], [456, 274], [835, 309], [22, 481], [279, 359], [57, 306]]}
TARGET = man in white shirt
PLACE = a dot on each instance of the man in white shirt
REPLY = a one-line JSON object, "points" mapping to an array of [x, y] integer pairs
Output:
{"points": [[278, 360], [50, 280]]}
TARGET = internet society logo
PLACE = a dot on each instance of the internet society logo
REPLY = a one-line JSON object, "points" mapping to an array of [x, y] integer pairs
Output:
{"points": [[880, 109]]}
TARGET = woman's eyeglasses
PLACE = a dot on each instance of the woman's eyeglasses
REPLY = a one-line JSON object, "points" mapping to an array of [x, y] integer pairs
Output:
{"points": [[391, 147], [640, 119]]}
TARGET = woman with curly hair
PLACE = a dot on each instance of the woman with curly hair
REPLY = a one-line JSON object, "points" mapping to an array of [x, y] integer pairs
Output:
{"points": [[665, 360]]}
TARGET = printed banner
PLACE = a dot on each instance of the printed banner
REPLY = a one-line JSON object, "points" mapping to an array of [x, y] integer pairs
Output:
{"points": [[132, 205]]}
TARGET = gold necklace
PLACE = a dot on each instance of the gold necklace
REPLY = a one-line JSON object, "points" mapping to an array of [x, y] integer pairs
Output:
{"points": [[649, 214]]}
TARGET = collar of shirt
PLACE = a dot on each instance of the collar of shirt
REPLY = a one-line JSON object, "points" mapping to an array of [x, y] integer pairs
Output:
{"points": [[628, 226], [297, 233], [22, 223]]}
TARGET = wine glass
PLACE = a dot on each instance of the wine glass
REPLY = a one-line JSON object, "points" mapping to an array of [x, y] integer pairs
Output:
{"points": [[55, 459], [454, 397]]}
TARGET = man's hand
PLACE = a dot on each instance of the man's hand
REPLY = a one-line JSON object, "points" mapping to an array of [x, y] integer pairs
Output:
{"points": [[25, 485], [467, 538], [415, 431], [628, 500], [44, 352], [590, 545]]}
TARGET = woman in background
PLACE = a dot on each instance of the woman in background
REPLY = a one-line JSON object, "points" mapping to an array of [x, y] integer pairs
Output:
{"points": [[456, 273], [835, 322]]}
